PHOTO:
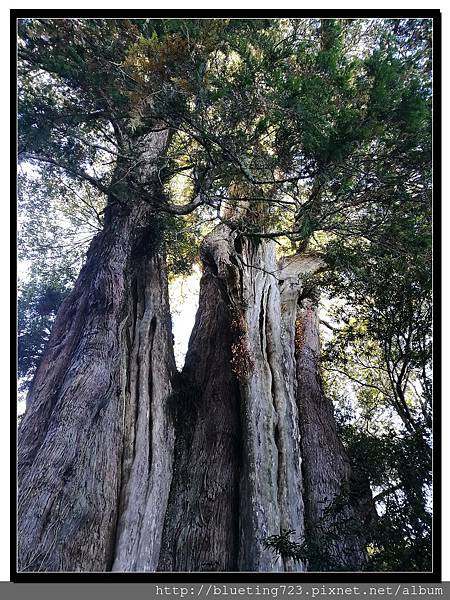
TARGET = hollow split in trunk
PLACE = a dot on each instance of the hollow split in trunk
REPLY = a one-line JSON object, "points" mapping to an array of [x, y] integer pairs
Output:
{"points": [[246, 398]]}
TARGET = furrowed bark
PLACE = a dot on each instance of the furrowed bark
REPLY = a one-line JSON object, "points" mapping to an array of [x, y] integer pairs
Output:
{"points": [[240, 310], [201, 527], [95, 423], [271, 481], [338, 502], [148, 370], [256, 447]]}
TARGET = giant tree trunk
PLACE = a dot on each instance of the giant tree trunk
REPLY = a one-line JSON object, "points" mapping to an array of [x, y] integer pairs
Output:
{"points": [[228, 496], [96, 443], [256, 446], [201, 527], [338, 502], [248, 377]]}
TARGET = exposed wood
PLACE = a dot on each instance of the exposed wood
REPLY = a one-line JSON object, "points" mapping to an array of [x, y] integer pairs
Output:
{"points": [[243, 389]]}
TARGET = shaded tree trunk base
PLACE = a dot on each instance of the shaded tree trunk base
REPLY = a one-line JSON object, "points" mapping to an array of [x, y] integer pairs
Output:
{"points": [[126, 466]]}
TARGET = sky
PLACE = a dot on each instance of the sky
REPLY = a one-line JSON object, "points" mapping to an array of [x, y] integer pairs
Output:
{"points": [[183, 294]]}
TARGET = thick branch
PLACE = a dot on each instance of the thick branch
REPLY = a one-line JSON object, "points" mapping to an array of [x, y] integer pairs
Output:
{"points": [[182, 209]]}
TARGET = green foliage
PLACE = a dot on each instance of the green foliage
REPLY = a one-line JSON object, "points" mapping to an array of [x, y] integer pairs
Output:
{"points": [[38, 303], [332, 545], [377, 365], [399, 468], [57, 219], [283, 546], [385, 339], [56, 225], [182, 243], [341, 107], [399, 539]]}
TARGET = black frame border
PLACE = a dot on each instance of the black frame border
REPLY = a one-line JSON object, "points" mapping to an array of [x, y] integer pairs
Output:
{"points": [[434, 576]]}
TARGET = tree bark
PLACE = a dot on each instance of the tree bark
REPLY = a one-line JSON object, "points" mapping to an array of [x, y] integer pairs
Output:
{"points": [[201, 526], [338, 502], [250, 403], [238, 494], [96, 443], [119, 470]]}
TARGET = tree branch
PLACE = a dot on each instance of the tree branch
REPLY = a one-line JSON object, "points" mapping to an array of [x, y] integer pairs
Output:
{"points": [[77, 172], [181, 209]]}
